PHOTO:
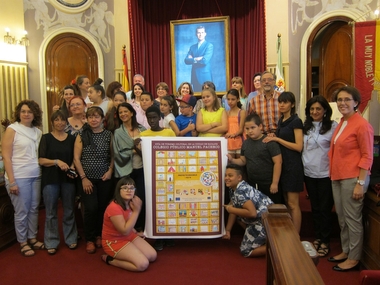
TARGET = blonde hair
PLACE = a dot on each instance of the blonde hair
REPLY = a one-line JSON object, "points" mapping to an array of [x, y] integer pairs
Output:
{"points": [[238, 79], [216, 103]]}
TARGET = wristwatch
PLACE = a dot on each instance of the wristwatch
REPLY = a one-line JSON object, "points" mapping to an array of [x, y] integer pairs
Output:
{"points": [[360, 182]]}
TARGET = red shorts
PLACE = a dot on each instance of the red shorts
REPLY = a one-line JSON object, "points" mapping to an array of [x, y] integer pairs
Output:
{"points": [[113, 247]]}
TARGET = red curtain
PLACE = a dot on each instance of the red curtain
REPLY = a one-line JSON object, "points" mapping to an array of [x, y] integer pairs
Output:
{"points": [[150, 35]]}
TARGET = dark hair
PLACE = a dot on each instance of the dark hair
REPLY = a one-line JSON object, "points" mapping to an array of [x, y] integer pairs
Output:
{"points": [[63, 107], [58, 114], [99, 87], [236, 167], [288, 97], [126, 180], [120, 93], [154, 109], [254, 117], [112, 87], [133, 96], [256, 74], [326, 119], [235, 93], [350, 90], [148, 93], [87, 138], [172, 103], [134, 122], [200, 27], [34, 107], [111, 121], [94, 110], [209, 84]]}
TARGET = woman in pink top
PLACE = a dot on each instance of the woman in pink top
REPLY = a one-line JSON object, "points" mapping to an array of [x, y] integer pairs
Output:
{"points": [[124, 248], [351, 156]]}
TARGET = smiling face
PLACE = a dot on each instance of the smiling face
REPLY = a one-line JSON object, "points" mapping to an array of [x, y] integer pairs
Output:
{"points": [[208, 98], [317, 112], [346, 104], [161, 92], [137, 91], [59, 124], [257, 82], [185, 89], [77, 106], [68, 94], [232, 178], [125, 114]]}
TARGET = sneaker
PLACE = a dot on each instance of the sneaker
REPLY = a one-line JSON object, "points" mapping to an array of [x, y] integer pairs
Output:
{"points": [[159, 244], [169, 242]]}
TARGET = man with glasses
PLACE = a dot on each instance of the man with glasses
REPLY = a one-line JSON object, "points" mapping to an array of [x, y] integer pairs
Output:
{"points": [[266, 103]]}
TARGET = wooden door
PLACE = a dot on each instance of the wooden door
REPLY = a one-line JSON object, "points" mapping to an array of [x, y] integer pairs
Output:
{"points": [[329, 57], [67, 55], [336, 61]]}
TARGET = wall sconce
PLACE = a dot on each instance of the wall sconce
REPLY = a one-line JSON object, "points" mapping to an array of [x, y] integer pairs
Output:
{"points": [[8, 39]]}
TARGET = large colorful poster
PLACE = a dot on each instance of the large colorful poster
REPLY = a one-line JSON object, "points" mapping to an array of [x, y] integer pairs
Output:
{"points": [[367, 60], [184, 185]]}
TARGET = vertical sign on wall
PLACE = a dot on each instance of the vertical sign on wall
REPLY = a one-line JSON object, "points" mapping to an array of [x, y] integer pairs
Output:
{"points": [[184, 187]]}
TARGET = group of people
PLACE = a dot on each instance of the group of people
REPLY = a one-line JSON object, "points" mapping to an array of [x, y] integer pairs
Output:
{"points": [[268, 144]]}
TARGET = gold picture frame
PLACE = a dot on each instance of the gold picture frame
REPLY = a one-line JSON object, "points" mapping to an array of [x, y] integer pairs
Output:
{"points": [[200, 51]]}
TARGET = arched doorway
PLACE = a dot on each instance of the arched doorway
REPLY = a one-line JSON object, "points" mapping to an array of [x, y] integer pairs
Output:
{"points": [[67, 55], [330, 57]]}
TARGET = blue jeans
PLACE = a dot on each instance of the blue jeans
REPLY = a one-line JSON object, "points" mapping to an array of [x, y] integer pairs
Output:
{"points": [[25, 205], [51, 194]]}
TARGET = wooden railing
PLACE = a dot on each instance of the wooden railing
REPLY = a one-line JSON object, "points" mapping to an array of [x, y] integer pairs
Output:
{"points": [[287, 261]]}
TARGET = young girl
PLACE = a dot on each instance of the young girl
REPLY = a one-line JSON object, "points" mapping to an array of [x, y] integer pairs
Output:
{"points": [[289, 135], [212, 120], [237, 83], [111, 121], [236, 118], [123, 247], [169, 109], [96, 94]]}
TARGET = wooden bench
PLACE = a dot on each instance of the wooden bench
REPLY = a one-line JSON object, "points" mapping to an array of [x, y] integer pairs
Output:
{"points": [[287, 261]]}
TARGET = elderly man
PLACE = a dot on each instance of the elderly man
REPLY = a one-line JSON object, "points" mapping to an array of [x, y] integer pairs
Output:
{"points": [[266, 103]]}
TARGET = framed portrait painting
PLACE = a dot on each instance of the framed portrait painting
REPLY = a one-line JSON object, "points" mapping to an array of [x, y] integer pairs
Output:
{"points": [[200, 53]]}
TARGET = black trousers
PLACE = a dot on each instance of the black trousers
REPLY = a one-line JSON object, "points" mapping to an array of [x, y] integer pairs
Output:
{"points": [[321, 199]]}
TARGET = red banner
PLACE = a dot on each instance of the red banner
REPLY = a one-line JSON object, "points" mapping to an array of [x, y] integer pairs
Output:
{"points": [[365, 60]]}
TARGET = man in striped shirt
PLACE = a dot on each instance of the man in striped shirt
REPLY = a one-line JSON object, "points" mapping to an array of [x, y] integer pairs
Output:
{"points": [[266, 103]]}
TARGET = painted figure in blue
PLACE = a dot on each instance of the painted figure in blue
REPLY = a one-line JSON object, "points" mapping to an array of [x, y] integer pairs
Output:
{"points": [[199, 56]]}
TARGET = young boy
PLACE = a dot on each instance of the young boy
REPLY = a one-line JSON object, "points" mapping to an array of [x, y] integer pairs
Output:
{"points": [[153, 115], [249, 204], [186, 121], [262, 160]]}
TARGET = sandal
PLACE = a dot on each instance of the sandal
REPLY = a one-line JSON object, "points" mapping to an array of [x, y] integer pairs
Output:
{"points": [[323, 249], [106, 258], [98, 242], [73, 246], [29, 249], [317, 244], [35, 245], [52, 251]]}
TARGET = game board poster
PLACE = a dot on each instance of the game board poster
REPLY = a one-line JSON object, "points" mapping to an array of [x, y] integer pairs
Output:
{"points": [[184, 184]]}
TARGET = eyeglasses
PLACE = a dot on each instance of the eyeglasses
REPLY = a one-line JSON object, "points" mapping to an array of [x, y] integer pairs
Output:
{"points": [[76, 105], [183, 107], [345, 100], [267, 80], [161, 89], [96, 117], [128, 188]]}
